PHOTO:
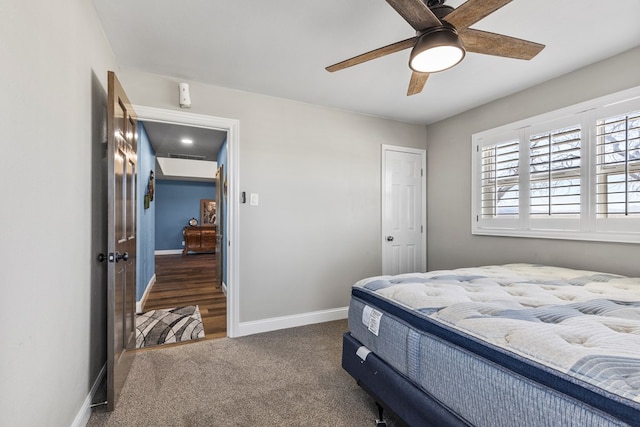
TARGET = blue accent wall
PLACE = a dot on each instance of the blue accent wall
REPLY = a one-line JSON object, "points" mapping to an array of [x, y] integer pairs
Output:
{"points": [[222, 161], [145, 243], [176, 203]]}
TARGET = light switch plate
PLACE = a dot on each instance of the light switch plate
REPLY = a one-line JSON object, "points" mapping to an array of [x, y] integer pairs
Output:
{"points": [[253, 199]]}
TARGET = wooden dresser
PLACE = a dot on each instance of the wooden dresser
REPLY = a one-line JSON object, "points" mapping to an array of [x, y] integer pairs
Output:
{"points": [[199, 239]]}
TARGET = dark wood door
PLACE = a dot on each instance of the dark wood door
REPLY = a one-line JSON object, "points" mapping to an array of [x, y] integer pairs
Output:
{"points": [[121, 276], [220, 237]]}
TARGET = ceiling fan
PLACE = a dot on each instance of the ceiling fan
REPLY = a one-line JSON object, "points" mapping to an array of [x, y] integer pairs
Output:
{"points": [[442, 37]]}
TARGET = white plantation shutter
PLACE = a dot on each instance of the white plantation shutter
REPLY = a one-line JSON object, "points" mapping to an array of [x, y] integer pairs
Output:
{"points": [[570, 174], [618, 166], [500, 180], [554, 168]]}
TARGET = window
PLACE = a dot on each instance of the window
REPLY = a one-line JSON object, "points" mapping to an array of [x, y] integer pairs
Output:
{"points": [[562, 175], [554, 172], [618, 166], [499, 180]]}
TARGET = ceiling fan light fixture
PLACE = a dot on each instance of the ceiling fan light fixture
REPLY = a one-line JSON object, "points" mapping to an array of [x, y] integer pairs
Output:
{"points": [[437, 49]]}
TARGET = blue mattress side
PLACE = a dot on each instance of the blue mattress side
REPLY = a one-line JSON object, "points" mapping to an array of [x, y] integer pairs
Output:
{"points": [[413, 405], [603, 401]]}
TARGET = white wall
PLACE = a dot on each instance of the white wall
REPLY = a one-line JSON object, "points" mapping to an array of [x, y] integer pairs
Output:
{"points": [[449, 161], [52, 345], [317, 172]]}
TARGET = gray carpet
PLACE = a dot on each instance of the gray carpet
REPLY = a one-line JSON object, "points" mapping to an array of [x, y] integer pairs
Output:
{"points": [[291, 377]]}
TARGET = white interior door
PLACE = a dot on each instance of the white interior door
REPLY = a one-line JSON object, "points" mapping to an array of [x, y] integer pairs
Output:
{"points": [[403, 210]]}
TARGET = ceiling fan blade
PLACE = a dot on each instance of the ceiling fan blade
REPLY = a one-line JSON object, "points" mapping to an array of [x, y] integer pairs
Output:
{"points": [[416, 84], [472, 11], [416, 13], [376, 53], [498, 44]]}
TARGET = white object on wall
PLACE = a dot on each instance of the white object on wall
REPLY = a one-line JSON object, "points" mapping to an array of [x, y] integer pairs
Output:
{"points": [[185, 98]]}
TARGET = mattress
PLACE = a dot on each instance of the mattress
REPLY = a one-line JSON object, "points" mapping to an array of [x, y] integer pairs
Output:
{"points": [[538, 344]]}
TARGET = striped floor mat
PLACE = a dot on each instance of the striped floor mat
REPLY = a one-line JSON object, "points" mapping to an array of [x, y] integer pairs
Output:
{"points": [[171, 325]]}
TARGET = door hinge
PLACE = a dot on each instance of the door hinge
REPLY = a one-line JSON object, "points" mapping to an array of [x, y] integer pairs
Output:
{"points": [[421, 172], [422, 228], [477, 218]]}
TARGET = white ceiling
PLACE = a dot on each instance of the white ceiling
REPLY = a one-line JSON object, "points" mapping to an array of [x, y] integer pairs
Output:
{"points": [[166, 140], [281, 47]]}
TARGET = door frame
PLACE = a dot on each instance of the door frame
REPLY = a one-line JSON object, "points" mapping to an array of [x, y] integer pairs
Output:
{"points": [[384, 148], [232, 127]]}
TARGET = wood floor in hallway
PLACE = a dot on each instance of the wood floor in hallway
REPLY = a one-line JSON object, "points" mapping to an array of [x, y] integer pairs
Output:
{"points": [[190, 280]]}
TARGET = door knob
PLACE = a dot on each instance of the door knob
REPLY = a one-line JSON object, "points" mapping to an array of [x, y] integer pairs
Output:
{"points": [[124, 256], [101, 257], [389, 238]]}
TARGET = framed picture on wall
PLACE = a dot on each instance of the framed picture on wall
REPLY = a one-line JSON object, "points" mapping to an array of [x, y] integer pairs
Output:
{"points": [[207, 212]]}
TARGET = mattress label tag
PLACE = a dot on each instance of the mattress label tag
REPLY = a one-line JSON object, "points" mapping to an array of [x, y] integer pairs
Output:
{"points": [[363, 352], [371, 317]]}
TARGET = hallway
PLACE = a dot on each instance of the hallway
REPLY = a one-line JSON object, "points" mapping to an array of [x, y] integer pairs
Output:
{"points": [[190, 280]]}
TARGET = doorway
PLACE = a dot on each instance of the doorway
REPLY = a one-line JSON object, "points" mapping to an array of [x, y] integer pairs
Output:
{"points": [[231, 127], [178, 258]]}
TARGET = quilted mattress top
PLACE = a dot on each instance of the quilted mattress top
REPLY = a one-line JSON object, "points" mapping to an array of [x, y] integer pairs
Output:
{"points": [[583, 323]]}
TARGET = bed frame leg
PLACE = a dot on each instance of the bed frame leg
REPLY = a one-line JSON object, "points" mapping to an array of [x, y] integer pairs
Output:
{"points": [[380, 422]]}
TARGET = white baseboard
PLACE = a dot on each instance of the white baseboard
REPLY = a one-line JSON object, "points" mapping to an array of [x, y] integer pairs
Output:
{"points": [[145, 295], [224, 289], [82, 418], [168, 252], [275, 323]]}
